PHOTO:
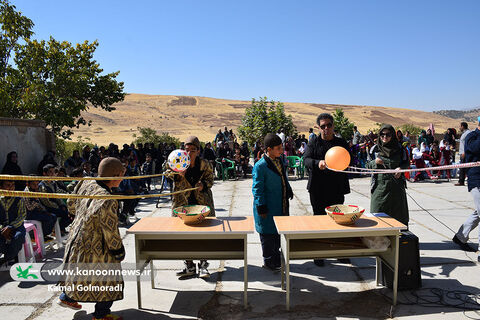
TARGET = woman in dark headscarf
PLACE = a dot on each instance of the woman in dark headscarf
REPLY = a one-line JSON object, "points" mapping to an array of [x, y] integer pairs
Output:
{"points": [[388, 189], [12, 167], [450, 137]]}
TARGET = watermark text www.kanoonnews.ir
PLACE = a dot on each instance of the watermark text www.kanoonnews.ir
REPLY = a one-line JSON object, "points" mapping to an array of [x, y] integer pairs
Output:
{"points": [[58, 272]]}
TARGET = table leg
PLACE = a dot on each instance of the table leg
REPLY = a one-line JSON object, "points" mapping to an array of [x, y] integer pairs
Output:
{"points": [[395, 274], [287, 270], [137, 259], [245, 273], [377, 276], [152, 275], [282, 269]]}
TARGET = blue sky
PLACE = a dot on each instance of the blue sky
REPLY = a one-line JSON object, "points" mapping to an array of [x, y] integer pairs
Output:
{"points": [[414, 54]]}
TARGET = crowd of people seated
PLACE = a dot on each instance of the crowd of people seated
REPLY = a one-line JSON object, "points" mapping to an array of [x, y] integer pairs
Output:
{"points": [[138, 160]]}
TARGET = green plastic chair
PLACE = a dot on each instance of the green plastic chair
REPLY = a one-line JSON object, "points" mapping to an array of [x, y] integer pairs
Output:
{"points": [[227, 169], [297, 164]]}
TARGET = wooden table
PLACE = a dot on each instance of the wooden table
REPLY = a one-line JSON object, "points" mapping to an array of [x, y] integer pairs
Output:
{"points": [[168, 238], [316, 237]]}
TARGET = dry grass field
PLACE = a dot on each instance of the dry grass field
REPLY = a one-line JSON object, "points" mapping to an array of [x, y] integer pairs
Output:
{"points": [[182, 116]]}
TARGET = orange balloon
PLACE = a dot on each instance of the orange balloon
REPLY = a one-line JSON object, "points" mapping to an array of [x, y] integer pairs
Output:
{"points": [[337, 158]]}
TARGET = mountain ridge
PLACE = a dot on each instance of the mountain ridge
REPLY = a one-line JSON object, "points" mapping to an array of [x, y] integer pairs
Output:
{"points": [[182, 116]]}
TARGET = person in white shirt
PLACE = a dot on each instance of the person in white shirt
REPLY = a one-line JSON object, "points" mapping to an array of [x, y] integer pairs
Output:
{"points": [[461, 152], [281, 135], [356, 136]]}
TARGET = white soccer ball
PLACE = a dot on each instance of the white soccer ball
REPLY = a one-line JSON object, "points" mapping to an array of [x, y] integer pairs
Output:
{"points": [[178, 160]]}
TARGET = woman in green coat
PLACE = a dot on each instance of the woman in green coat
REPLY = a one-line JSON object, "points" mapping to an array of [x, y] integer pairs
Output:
{"points": [[388, 189]]}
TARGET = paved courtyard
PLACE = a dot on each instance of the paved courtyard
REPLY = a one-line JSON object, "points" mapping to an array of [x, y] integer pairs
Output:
{"points": [[335, 291]]}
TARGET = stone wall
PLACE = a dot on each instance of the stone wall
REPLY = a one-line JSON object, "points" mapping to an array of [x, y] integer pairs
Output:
{"points": [[29, 138]]}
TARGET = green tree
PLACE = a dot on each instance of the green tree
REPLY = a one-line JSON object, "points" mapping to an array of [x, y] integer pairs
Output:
{"points": [[65, 148], [342, 124], [414, 130], [263, 117], [377, 127], [149, 135], [50, 80]]}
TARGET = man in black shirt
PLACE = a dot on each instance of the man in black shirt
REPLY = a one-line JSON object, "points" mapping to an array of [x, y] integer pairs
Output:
{"points": [[326, 187]]}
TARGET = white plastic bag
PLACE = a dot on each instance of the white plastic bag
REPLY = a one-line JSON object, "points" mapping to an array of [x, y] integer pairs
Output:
{"points": [[377, 243]]}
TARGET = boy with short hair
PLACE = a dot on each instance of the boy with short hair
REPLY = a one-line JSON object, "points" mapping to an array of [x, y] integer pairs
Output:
{"points": [[271, 191], [96, 245], [147, 169], [37, 211], [56, 206], [199, 174]]}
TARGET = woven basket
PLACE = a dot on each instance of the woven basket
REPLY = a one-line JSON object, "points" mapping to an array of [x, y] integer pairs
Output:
{"points": [[194, 214], [344, 214]]}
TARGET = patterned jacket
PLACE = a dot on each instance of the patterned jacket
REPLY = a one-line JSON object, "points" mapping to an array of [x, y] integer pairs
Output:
{"points": [[204, 197], [94, 243]]}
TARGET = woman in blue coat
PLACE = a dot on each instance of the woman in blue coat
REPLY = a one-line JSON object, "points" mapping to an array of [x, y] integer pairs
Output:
{"points": [[271, 192]]}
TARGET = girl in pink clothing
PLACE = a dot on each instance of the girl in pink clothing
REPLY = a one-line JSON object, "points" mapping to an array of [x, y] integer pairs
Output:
{"points": [[445, 157]]}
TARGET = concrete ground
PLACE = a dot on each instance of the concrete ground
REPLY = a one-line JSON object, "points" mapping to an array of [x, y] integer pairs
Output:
{"points": [[335, 291]]}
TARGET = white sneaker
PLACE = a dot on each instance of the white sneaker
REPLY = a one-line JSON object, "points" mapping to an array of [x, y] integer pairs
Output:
{"points": [[202, 269]]}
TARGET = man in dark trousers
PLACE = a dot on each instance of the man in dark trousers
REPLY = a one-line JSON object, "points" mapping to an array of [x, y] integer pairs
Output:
{"points": [[326, 187], [472, 154]]}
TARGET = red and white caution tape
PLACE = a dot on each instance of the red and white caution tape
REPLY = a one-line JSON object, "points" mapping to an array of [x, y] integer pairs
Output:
{"points": [[356, 170]]}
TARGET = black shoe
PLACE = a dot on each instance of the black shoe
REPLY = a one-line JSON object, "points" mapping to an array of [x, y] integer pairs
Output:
{"points": [[48, 238], [463, 246], [319, 262], [12, 262], [271, 268], [344, 260], [189, 270], [122, 217]]}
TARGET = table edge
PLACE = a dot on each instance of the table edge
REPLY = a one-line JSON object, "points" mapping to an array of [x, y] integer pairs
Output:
{"points": [[341, 231], [190, 232]]}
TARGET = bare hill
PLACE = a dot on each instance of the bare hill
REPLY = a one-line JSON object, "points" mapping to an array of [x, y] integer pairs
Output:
{"points": [[467, 115], [183, 115]]}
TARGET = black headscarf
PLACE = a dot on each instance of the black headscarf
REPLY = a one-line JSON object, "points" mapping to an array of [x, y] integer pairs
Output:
{"points": [[14, 169], [391, 150], [10, 166]]}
